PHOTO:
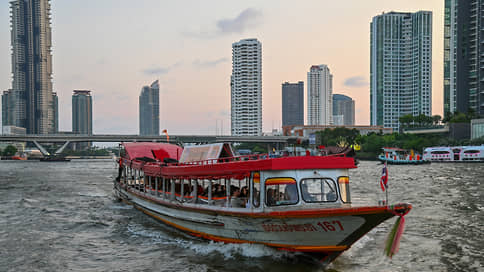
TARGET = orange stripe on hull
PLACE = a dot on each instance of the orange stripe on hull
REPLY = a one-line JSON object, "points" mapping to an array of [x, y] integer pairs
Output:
{"points": [[238, 241]]}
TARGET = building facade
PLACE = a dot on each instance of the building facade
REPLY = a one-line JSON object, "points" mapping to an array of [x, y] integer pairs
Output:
{"points": [[29, 104], [293, 103], [464, 56], [55, 105], [149, 110], [82, 115], [343, 110], [320, 95], [400, 67], [246, 88]]}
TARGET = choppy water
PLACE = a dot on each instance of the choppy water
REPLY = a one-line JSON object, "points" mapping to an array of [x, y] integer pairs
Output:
{"points": [[61, 216]]}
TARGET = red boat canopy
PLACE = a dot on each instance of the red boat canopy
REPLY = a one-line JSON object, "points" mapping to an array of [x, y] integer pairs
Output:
{"points": [[158, 151]]}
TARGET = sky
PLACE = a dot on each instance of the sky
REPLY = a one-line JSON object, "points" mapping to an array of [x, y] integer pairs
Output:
{"points": [[115, 47]]}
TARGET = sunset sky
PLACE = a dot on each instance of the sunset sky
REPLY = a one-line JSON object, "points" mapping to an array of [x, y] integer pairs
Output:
{"points": [[115, 47]]}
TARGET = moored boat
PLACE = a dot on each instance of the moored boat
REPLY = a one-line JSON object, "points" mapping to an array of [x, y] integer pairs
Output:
{"points": [[393, 155], [454, 154], [290, 203]]}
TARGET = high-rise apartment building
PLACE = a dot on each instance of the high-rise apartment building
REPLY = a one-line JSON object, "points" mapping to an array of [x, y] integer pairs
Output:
{"points": [[246, 88], [149, 110], [293, 103], [401, 67], [343, 110], [82, 115], [320, 95], [30, 101], [464, 56]]}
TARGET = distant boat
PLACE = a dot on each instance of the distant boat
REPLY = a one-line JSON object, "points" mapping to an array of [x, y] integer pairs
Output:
{"points": [[393, 155], [19, 157], [54, 159], [454, 154]]}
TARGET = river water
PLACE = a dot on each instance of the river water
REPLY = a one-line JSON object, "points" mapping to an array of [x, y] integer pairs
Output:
{"points": [[61, 216]]}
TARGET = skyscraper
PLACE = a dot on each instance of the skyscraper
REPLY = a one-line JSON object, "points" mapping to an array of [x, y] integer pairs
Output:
{"points": [[82, 115], [293, 103], [246, 88], [343, 110], [320, 95], [401, 67], [55, 105], [149, 110], [464, 56], [30, 101]]}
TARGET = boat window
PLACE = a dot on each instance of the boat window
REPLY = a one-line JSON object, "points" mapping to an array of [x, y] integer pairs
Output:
{"points": [[256, 189], [344, 189], [281, 191], [472, 151], [440, 152], [318, 190]]}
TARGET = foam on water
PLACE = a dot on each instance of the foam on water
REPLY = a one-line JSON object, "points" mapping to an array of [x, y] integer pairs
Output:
{"points": [[230, 251]]}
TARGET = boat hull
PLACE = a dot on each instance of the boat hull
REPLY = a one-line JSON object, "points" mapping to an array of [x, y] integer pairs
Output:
{"points": [[323, 233], [397, 161]]}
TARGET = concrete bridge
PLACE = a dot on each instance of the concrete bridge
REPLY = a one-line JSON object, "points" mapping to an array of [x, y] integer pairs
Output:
{"points": [[61, 138], [68, 138]]}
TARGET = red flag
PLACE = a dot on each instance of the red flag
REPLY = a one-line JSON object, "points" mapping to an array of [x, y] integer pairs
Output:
{"points": [[384, 178]]}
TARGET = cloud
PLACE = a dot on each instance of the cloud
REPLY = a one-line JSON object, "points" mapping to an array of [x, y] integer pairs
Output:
{"points": [[356, 81], [158, 71], [247, 19], [209, 63]]}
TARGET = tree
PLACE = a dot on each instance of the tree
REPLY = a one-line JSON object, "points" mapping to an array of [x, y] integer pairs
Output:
{"points": [[406, 120], [10, 150], [436, 119]]}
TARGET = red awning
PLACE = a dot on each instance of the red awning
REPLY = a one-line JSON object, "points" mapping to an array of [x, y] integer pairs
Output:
{"points": [[149, 149]]}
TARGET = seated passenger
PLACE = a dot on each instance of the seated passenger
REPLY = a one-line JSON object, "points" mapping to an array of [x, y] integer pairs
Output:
{"points": [[271, 197], [290, 193], [236, 201]]}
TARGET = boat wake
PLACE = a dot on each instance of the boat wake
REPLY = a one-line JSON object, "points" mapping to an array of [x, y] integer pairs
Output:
{"points": [[201, 247], [231, 251]]}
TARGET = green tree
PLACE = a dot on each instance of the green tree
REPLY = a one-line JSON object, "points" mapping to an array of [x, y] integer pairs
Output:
{"points": [[406, 120], [10, 150], [436, 119]]}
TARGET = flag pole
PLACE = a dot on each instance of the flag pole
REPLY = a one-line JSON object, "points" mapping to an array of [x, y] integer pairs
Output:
{"points": [[386, 186]]}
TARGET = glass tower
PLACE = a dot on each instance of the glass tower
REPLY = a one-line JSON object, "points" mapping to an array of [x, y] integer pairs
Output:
{"points": [[464, 56], [29, 104], [400, 67], [149, 110], [293, 103]]}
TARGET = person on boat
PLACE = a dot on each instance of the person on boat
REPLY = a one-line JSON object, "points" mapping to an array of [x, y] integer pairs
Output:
{"points": [[120, 171], [290, 192], [271, 197], [236, 201]]}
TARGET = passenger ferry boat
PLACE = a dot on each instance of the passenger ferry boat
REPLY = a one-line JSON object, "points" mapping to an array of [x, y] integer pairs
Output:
{"points": [[393, 155], [298, 203], [454, 154]]}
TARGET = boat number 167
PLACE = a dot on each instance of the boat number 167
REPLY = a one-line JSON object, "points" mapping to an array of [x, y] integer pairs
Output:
{"points": [[331, 225]]}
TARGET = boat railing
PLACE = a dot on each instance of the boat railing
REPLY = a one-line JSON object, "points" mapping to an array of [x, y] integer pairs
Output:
{"points": [[240, 158], [224, 160]]}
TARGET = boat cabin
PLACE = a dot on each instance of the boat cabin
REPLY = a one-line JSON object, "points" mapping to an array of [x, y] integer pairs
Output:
{"points": [[211, 177]]}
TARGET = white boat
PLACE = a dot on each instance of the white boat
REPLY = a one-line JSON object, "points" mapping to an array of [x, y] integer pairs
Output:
{"points": [[454, 154]]}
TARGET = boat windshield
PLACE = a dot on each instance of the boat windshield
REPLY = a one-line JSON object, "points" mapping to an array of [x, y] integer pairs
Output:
{"points": [[318, 190], [281, 191]]}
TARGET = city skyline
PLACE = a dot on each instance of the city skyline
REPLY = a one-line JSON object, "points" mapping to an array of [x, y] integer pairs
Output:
{"points": [[114, 63]]}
